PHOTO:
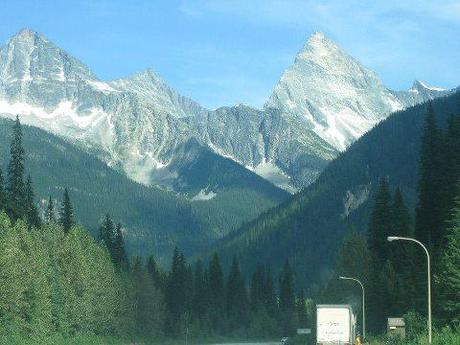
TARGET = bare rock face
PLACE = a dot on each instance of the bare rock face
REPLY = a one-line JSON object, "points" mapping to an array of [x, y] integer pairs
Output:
{"points": [[323, 102], [339, 98]]}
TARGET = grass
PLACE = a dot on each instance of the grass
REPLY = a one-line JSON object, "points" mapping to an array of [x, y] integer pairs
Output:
{"points": [[89, 339], [446, 336]]}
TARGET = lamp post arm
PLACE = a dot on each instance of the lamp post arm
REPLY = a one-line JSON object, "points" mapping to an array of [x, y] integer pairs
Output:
{"points": [[364, 302], [428, 275]]}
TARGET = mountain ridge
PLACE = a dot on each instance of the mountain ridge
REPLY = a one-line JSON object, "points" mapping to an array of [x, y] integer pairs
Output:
{"points": [[137, 123]]}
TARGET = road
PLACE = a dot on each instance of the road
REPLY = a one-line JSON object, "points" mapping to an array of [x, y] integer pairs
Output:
{"points": [[272, 343]]}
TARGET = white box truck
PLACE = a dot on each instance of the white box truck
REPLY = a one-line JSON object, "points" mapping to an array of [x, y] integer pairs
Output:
{"points": [[335, 324]]}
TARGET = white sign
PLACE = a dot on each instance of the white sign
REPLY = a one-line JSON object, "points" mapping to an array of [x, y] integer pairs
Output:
{"points": [[304, 331]]}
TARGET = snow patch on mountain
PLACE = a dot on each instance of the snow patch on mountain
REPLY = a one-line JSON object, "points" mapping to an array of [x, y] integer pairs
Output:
{"points": [[101, 86], [273, 173], [204, 195]]}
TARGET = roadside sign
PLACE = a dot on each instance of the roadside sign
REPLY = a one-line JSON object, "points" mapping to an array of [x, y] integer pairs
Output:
{"points": [[304, 331]]}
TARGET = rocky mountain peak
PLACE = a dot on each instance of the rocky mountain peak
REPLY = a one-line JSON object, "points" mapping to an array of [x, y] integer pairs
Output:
{"points": [[421, 86], [31, 57], [338, 98]]}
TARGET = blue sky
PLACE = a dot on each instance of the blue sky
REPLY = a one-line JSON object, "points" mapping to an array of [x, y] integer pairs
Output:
{"points": [[229, 52]]}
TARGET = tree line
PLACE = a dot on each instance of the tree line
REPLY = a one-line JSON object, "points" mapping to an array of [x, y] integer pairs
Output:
{"points": [[394, 273], [204, 301], [56, 278]]}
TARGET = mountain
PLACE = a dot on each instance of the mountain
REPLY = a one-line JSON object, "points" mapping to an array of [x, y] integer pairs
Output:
{"points": [[419, 93], [275, 146], [221, 191], [153, 89], [154, 220], [56, 92], [338, 98], [323, 102], [308, 228]]}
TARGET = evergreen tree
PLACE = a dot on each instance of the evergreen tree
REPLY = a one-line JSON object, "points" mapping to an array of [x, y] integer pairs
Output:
{"points": [[147, 302], [403, 257], [49, 213], [451, 173], [31, 212], [287, 300], [200, 302], [429, 212], [107, 233], [155, 273], [256, 293], [66, 216], [269, 295], [237, 298], [3, 199], [380, 224], [449, 278], [119, 257], [217, 293], [380, 227], [354, 258], [176, 293], [301, 309], [15, 177]]}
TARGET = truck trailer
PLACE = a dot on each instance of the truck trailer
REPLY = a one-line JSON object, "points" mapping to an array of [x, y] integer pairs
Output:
{"points": [[335, 324]]}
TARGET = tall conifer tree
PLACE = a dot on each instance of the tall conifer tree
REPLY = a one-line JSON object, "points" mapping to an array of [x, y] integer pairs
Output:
{"points": [[237, 298], [119, 256], [217, 293], [449, 278], [287, 300], [15, 177], [380, 224], [49, 213], [31, 212], [403, 255], [66, 216], [269, 293], [107, 235], [380, 227], [200, 302], [3, 199], [155, 273], [176, 293], [429, 212]]}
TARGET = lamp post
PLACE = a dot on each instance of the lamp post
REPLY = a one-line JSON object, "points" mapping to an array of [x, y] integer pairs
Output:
{"points": [[364, 305], [397, 238]]}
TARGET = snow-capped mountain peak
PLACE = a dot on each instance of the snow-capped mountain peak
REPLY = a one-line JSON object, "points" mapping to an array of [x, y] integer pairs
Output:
{"points": [[319, 48], [422, 86], [338, 97], [322, 103]]}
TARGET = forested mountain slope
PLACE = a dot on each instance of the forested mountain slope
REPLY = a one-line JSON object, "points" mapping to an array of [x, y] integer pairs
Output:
{"points": [[154, 220], [307, 229]]}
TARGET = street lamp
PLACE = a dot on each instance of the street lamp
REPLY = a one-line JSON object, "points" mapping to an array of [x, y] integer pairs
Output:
{"points": [[364, 306], [397, 238]]}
